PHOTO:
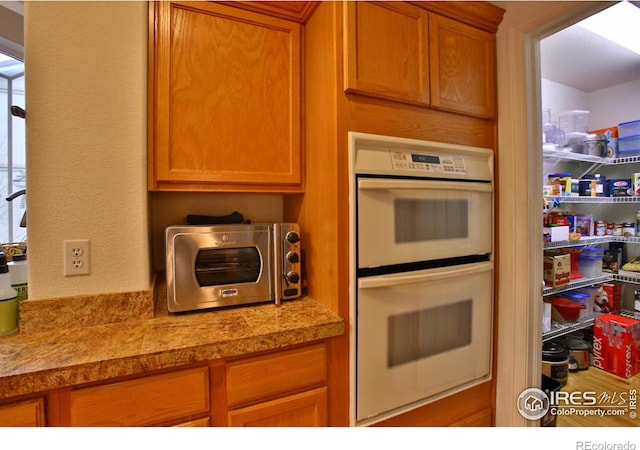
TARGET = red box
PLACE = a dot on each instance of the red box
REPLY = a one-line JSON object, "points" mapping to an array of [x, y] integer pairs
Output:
{"points": [[616, 344]]}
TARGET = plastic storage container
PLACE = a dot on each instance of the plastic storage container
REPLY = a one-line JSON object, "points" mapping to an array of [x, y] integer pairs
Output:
{"points": [[589, 302], [627, 129], [590, 266], [629, 146], [593, 251], [567, 310], [574, 121], [577, 296]]}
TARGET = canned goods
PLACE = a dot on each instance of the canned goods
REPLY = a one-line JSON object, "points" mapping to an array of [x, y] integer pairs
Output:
{"points": [[601, 228], [628, 229], [617, 229], [609, 229]]}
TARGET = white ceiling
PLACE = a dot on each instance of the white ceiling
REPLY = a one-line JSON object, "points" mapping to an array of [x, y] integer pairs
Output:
{"points": [[581, 59]]}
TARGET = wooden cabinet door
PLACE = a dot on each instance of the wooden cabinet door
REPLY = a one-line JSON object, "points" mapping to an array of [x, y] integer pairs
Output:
{"points": [[226, 104], [149, 400], [27, 413], [462, 67], [254, 379], [386, 51], [307, 409]]}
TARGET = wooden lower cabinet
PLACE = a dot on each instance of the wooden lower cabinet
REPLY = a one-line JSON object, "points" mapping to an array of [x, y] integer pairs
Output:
{"points": [[281, 388], [25, 413], [306, 409], [287, 388]]}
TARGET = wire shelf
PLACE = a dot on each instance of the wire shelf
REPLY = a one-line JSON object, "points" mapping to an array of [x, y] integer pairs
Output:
{"points": [[570, 156], [560, 329], [584, 199], [592, 240], [578, 283]]}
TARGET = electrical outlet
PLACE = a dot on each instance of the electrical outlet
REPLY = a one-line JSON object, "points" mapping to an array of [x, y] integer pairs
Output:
{"points": [[76, 257]]}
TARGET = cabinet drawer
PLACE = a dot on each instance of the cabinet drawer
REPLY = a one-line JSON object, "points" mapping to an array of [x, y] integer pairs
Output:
{"points": [[144, 401], [28, 413], [306, 409], [266, 376]]}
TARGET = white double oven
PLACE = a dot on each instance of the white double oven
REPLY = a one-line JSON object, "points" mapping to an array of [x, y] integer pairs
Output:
{"points": [[422, 271]]}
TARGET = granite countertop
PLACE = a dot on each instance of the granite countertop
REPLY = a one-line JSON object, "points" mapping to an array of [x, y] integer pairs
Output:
{"points": [[42, 361]]}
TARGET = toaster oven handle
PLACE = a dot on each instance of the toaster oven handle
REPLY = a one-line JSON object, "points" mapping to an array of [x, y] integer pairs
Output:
{"points": [[387, 184], [422, 276]]}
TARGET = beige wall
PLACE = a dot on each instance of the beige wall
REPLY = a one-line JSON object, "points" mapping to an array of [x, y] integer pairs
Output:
{"points": [[86, 75], [86, 68]]}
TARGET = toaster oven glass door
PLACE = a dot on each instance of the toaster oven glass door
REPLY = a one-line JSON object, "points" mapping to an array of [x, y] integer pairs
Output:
{"points": [[220, 266]]}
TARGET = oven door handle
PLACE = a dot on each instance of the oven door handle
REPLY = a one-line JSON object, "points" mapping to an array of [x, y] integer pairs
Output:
{"points": [[387, 184], [422, 276]]}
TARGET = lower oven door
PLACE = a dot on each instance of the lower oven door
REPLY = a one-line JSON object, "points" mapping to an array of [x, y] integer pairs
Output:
{"points": [[420, 336]]}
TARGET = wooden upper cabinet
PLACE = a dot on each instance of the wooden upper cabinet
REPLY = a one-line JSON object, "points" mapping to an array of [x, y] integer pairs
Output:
{"points": [[225, 102], [386, 51], [404, 52], [462, 67]]}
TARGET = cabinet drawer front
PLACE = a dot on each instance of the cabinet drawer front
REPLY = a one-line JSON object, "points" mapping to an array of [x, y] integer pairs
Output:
{"points": [[29, 413], [307, 409], [143, 401], [272, 375]]}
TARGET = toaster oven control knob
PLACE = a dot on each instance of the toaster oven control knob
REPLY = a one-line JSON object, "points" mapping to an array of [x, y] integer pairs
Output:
{"points": [[292, 237], [293, 258], [293, 277]]}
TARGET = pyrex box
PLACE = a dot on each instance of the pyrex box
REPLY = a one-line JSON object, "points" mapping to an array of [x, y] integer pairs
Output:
{"points": [[557, 270], [616, 344]]}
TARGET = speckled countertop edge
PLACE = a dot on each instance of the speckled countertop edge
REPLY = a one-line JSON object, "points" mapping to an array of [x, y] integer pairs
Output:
{"points": [[40, 362]]}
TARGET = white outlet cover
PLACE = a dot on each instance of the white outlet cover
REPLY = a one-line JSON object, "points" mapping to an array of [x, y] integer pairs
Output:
{"points": [[75, 257]]}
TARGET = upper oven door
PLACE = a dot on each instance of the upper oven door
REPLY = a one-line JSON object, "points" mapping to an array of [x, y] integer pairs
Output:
{"points": [[413, 220]]}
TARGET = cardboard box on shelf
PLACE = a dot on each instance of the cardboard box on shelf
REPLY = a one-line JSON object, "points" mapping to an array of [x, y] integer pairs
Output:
{"points": [[584, 224], [620, 187], [557, 270], [616, 344], [557, 233]]}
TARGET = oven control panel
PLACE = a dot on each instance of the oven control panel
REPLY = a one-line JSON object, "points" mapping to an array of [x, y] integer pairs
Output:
{"points": [[424, 163]]}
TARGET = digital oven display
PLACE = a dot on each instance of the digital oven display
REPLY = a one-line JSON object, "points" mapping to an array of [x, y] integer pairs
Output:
{"points": [[425, 159]]}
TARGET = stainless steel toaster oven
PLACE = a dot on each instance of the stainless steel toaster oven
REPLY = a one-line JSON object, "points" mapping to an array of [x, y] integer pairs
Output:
{"points": [[212, 266]]}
